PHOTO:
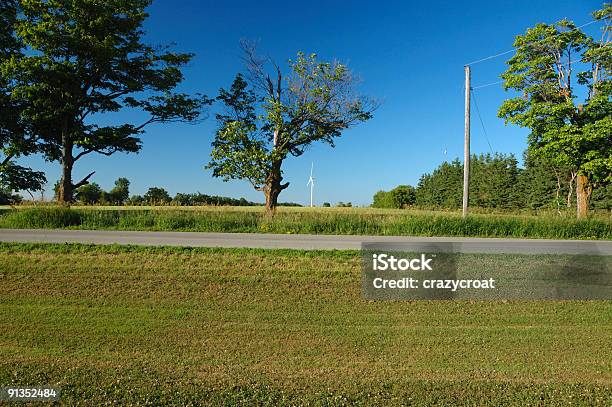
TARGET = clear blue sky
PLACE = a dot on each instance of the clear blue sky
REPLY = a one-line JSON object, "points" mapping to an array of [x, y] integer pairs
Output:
{"points": [[410, 55]]}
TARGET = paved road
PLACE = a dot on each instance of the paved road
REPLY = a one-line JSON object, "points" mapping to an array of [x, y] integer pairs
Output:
{"points": [[310, 242]]}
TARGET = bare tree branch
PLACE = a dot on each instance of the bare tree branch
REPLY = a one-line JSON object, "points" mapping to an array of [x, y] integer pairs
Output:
{"points": [[84, 181]]}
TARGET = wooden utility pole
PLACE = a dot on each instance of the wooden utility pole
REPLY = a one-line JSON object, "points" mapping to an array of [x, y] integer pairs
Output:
{"points": [[466, 147]]}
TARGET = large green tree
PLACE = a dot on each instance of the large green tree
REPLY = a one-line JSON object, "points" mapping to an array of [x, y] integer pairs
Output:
{"points": [[120, 192], [89, 194], [399, 197], [157, 196], [550, 64], [86, 58], [495, 183], [15, 138], [275, 116], [443, 187]]}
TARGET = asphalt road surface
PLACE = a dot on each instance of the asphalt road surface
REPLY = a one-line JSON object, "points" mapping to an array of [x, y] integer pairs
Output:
{"points": [[308, 242]]}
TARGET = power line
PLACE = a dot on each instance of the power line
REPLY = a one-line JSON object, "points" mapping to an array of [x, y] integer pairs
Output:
{"points": [[490, 57], [527, 45], [484, 130], [531, 71], [488, 84]]}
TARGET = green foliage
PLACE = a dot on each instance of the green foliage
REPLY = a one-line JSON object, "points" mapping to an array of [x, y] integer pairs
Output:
{"points": [[89, 194], [493, 182], [120, 192], [326, 205], [400, 197], [136, 200], [239, 151], [157, 196], [199, 199], [266, 121], [8, 198], [545, 185], [92, 193], [383, 199], [443, 187], [497, 182], [16, 138], [335, 222], [602, 198], [543, 71], [403, 196], [15, 177], [85, 59]]}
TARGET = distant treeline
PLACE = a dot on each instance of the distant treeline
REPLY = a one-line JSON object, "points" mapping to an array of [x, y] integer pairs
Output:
{"points": [[496, 181], [93, 194]]}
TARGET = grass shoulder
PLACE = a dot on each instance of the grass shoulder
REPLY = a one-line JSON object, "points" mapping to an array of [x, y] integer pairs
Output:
{"points": [[282, 327], [338, 221]]}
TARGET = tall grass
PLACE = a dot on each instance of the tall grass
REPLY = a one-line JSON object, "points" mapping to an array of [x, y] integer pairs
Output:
{"points": [[309, 222]]}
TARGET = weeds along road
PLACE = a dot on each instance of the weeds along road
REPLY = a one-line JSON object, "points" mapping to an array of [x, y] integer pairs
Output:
{"points": [[304, 242]]}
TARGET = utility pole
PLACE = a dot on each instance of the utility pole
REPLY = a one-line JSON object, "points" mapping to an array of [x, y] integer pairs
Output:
{"points": [[466, 147]]}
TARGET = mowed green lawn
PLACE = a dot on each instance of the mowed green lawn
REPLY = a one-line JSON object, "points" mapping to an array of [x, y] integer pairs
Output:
{"points": [[226, 326]]}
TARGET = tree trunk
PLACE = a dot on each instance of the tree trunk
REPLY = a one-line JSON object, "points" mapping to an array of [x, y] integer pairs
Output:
{"points": [[271, 192], [65, 189], [583, 195], [273, 187], [570, 189]]}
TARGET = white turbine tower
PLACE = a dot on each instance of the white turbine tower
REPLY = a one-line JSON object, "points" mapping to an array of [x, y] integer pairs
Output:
{"points": [[311, 183]]}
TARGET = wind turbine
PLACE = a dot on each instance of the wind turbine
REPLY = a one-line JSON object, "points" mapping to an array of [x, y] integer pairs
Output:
{"points": [[311, 183]]}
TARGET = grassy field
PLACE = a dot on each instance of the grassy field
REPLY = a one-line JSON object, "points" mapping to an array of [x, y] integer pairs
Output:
{"points": [[119, 325], [528, 213], [349, 221]]}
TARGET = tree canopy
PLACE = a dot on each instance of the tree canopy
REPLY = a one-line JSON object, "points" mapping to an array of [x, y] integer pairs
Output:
{"points": [[497, 182], [84, 59], [16, 139], [399, 197], [269, 117], [551, 61]]}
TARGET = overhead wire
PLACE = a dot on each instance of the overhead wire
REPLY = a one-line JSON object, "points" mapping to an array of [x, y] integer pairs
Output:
{"points": [[533, 71], [527, 45], [487, 85], [484, 130]]}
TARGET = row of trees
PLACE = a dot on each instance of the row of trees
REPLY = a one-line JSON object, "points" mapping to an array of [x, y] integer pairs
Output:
{"points": [[159, 196], [496, 181], [93, 194], [493, 181]]}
